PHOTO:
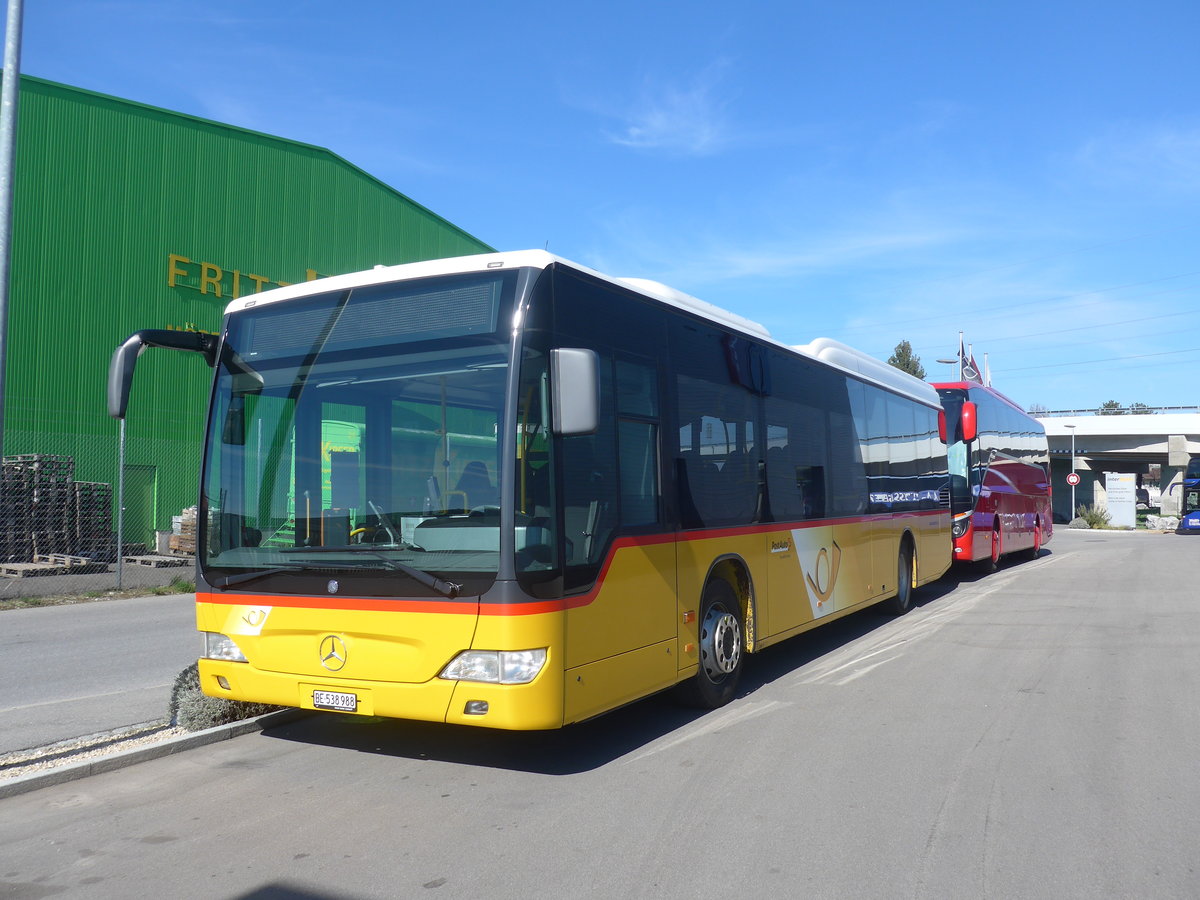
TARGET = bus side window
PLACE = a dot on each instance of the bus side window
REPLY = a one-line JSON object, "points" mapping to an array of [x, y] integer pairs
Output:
{"points": [[637, 442], [797, 440], [720, 455], [590, 490]]}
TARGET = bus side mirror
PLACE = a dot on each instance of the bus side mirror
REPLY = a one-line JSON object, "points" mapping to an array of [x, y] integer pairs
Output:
{"points": [[575, 395], [942, 425], [124, 358], [970, 422]]}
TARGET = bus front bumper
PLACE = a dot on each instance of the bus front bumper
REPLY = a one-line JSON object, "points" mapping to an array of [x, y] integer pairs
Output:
{"points": [[518, 707]]}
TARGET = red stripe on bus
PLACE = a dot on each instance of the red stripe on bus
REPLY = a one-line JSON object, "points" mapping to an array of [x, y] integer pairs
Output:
{"points": [[346, 603], [532, 607]]}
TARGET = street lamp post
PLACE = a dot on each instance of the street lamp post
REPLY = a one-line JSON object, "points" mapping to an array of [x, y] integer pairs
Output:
{"points": [[954, 362], [1072, 480]]}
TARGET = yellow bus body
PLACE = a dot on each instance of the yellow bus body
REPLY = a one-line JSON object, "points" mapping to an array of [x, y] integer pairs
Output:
{"points": [[633, 634]]}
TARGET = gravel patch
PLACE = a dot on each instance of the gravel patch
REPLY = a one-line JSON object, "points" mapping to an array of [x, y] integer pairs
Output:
{"points": [[84, 749], [39, 767]]}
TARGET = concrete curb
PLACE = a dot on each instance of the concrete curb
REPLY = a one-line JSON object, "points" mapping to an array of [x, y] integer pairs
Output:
{"points": [[120, 760]]}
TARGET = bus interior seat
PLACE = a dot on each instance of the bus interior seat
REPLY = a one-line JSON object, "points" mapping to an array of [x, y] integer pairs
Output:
{"points": [[476, 485]]}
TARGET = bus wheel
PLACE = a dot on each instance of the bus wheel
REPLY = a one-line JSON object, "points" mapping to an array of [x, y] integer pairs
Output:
{"points": [[905, 576], [991, 562], [1037, 542], [722, 648]]}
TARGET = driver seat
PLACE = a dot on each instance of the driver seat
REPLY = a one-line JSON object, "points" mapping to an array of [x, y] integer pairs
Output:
{"points": [[476, 485]]}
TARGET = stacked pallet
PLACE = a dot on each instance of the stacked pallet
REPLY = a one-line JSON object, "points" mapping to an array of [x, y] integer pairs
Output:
{"points": [[93, 534], [183, 533], [45, 513], [36, 493]]}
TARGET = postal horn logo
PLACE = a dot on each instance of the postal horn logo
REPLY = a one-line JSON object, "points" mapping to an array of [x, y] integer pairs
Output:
{"points": [[822, 579], [333, 652]]}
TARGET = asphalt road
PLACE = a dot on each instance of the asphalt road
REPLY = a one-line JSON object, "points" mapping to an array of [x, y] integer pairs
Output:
{"points": [[69, 671], [1031, 733]]}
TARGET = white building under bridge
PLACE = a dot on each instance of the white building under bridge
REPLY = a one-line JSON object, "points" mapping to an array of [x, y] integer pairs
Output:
{"points": [[1155, 448]]}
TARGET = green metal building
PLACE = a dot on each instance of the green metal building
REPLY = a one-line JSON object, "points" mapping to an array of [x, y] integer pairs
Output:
{"points": [[129, 217]]}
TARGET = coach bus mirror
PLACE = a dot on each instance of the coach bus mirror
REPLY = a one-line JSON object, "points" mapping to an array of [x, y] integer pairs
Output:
{"points": [[575, 379], [970, 422], [124, 358], [942, 425], [234, 430], [246, 380]]}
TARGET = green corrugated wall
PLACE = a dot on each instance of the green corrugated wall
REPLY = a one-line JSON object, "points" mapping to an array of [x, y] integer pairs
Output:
{"points": [[107, 193]]}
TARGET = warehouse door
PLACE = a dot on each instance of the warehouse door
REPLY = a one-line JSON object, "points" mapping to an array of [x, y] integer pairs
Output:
{"points": [[141, 483]]}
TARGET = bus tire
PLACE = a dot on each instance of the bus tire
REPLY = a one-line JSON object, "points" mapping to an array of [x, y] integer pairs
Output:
{"points": [[722, 648], [991, 562], [905, 576], [1036, 549]]}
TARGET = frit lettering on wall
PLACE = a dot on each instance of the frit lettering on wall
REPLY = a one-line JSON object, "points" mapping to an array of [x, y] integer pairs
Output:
{"points": [[220, 282]]}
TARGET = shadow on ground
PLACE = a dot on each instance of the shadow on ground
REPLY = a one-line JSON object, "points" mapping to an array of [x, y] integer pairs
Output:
{"points": [[591, 744]]}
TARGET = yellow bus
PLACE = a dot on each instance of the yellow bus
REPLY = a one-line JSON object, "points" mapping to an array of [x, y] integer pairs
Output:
{"points": [[509, 491]]}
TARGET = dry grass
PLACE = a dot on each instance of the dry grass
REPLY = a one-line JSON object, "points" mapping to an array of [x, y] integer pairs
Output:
{"points": [[177, 586]]}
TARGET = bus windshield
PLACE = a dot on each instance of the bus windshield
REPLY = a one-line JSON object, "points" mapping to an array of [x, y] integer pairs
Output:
{"points": [[355, 439], [1191, 495], [963, 476]]}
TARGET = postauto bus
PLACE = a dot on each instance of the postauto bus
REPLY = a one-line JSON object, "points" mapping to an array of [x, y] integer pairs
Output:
{"points": [[506, 490]]}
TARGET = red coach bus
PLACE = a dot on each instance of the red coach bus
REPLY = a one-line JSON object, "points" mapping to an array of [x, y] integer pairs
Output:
{"points": [[999, 475]]}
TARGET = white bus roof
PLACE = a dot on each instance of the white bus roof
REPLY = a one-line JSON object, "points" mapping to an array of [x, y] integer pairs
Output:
{"points": [[826, 350]]}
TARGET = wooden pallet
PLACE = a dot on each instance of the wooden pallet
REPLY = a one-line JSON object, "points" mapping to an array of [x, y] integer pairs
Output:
{"points": [[182, 544], [31, 569], [78, 565], [157, 562]]}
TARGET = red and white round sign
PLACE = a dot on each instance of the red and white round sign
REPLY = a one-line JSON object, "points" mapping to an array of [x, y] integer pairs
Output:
{"points": [[1072, 479]]}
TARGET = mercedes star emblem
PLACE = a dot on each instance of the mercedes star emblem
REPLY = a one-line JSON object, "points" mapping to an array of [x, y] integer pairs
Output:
{"points": [[333, 652]]}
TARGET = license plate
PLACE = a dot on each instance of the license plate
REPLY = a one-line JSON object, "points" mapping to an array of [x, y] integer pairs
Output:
{"points": [[335, 700]]}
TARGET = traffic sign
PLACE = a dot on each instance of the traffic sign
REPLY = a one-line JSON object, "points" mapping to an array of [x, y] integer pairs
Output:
{"points": [[1072, 479]]}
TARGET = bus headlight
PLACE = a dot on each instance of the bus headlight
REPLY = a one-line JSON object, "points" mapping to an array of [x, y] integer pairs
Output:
{"points": [[496, 666], [221, 646], [960, 528]]}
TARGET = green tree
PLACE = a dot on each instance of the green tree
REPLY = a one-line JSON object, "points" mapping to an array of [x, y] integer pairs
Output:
{"points": [[904, 360], [1110, 408], [1140, 409]]}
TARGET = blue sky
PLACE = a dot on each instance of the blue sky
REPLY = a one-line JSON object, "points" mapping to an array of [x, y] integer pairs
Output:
{"points": [[1026, 172]]}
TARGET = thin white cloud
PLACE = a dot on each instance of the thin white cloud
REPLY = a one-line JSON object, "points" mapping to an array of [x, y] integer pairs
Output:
{"points": [[698, 256], [689, 119], [1161, 157]]}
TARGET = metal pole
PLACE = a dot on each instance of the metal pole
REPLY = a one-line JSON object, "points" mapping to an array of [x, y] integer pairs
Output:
{"points": [[9, 93], [120, 503], [1072, 427], [1072, 472]]}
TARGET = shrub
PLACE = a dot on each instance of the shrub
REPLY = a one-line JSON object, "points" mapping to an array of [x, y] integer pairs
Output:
{"points": [[193, 710], [1095, 516], [178, 585]]}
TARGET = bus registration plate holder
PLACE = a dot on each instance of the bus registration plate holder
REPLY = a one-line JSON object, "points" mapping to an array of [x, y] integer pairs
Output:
{"points": [[335, 700]]}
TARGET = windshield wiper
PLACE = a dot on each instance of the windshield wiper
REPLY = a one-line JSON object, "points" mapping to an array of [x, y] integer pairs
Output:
{"points": [[445, 588], [243, 577]]}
